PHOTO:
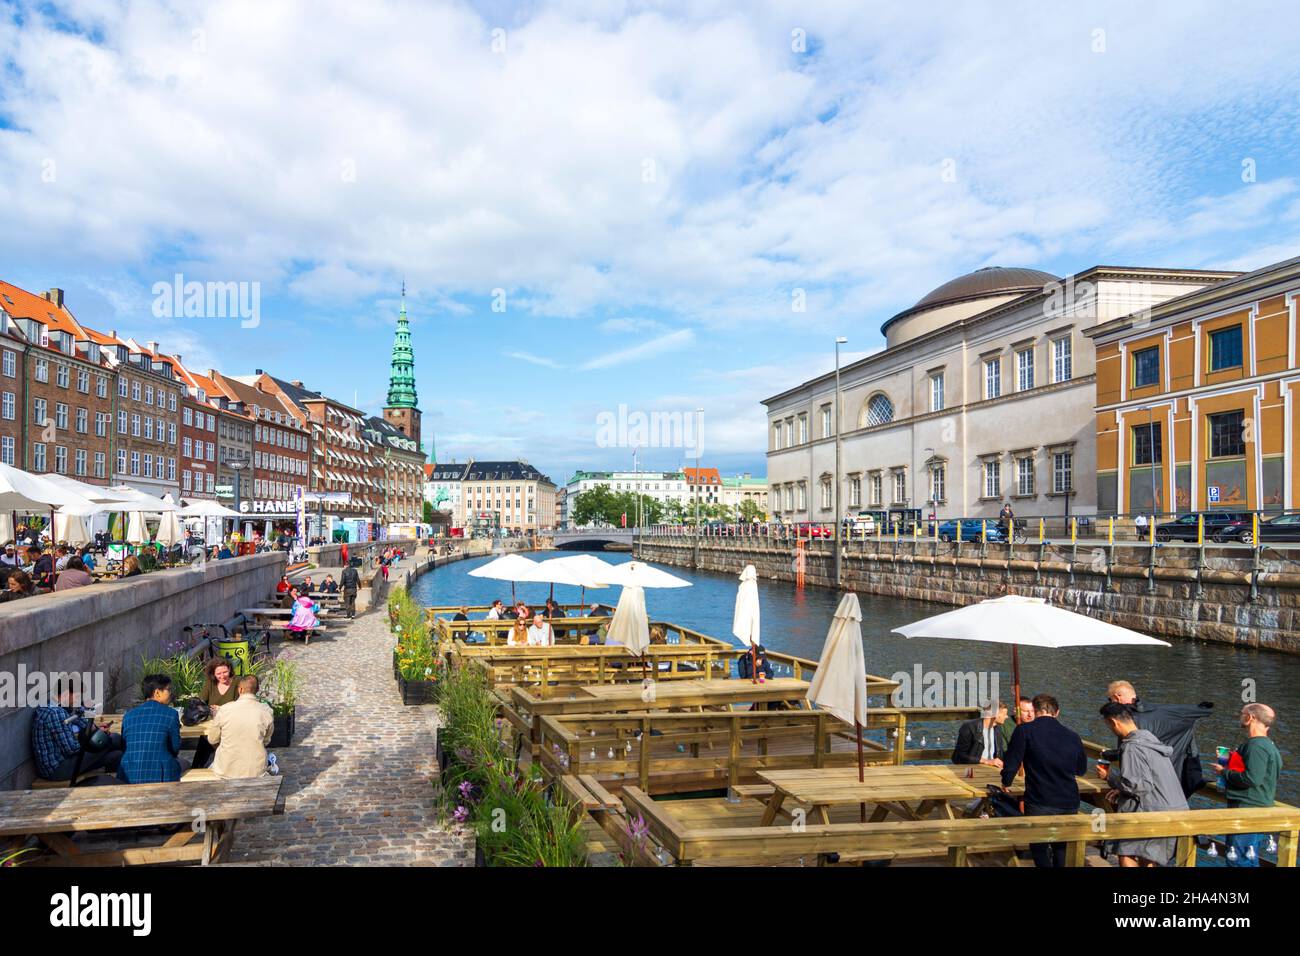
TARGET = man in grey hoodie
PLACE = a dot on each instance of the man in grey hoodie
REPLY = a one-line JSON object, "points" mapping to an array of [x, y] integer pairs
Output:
{"points": [[1143, 781]]}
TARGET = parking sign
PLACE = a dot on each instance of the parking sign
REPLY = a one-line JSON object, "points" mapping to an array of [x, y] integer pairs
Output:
{"points": [[1214, 494]]}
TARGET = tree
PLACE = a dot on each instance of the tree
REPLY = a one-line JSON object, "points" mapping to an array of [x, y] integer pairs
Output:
{"points": [[750, 511], [596, 505], [428, 512]]}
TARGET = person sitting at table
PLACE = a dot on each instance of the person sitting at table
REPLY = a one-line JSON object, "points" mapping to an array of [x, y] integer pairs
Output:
{"points": [[131, 567], [518, 634], [540, 634], [87, 559], [497, 611], [10, 557], [461, 615], [42, 568], [73, 575], [329, 585], [306, 586], [19, 585], [304, 619], [62, 554], [152, 731], [57, 732], [218, 688], [980, 740], [224, 552], [283, 586], [242, 729]]}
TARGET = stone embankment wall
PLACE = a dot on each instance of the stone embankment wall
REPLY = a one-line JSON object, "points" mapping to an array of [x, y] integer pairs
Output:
{"points": [[107, 628], [1230, 595]]}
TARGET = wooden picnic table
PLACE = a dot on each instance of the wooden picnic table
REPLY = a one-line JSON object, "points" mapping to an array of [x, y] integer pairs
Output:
{"points": [[613, 698], [910, 791], [187, 733], [54, 815]]}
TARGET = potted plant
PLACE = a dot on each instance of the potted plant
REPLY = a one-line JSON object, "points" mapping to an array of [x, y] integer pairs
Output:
{"points": [[279, 680]]}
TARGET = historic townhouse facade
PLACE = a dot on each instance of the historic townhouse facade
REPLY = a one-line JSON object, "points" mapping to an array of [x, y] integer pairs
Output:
{"points": [[1195, 400], [279, 449], [146, 410], [983, 395], [402, 481], [510, 495]]}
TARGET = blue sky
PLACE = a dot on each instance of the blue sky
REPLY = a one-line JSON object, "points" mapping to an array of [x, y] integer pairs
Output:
{"points": [[650, 186]]}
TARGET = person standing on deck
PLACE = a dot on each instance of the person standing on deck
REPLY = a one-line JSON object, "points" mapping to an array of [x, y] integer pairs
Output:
{"points": [[1256, 784], [980, 740], [1142, 781], [1053, 756], [1173, 724]]}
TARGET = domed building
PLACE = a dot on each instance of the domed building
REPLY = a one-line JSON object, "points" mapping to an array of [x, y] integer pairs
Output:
{"points": [[983, 395]]}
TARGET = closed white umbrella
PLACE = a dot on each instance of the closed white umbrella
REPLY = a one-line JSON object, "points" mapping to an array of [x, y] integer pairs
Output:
{"points": [[630, 626], [1018, 620], [840, 684], [745, 621], [6, 527], [136, 530], [70, 526], [170, 531]]}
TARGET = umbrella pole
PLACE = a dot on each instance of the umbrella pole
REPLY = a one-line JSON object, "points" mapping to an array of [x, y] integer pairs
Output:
{"points": [[1015, 676], [753, 662], [857, 732]]}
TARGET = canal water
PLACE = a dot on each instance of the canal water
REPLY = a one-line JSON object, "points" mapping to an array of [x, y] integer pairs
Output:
{"points": [[795, 621]]}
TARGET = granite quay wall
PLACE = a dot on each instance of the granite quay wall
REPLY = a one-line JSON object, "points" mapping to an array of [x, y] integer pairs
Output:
{"points": [[107, 628], [331, 555], [1227, 595]]}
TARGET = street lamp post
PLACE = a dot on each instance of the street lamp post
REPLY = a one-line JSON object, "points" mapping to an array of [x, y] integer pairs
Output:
{"points": [[699, 440], [237, 465], [839, 520]]}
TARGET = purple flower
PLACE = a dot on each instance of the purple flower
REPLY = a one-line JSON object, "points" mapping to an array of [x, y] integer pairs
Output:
{"points": [[461, 814], [466, 789], [637, 828]]}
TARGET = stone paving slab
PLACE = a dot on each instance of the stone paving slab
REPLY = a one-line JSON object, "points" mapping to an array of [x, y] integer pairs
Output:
{"points": [[358, 778]]}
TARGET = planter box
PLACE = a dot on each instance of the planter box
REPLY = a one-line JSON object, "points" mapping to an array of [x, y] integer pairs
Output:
{"points": [[418, 691], [282, 733]]}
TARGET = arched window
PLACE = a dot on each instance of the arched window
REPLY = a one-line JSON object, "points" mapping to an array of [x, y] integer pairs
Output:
{"points": [[879, 410]]}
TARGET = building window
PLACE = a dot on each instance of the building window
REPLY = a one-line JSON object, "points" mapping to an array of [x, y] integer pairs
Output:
{"points": [[148, 465], [122, 386], [10, 364], [121, 461], [80, 462], [83, 420], [148, 428], [827, 493], [42, 370], [9, 406], [1225, 348], [1062, 361], [171, 433], [993, 378], [876, 485], [61, 459], [1146, 367], [185, 480], [900, 487], [993, 479], [39, 411], [827, 425], [789, 433], [135, 426], [135, 391], [802, 498], [1226, 437], [135, 463], [803, 429], [855, 492], [936, 392], [61, 416], [1024, 370], [99, 464], [1062, 472], [185, 448], [7, 450], [61, 377], [938, 479], [101, 386], [1147, 444], [789, 498], [121, 423], [83, 381], [880, 410], [171, 472], [1025, 476], [38, 456], [187, 417], [776, 437]]}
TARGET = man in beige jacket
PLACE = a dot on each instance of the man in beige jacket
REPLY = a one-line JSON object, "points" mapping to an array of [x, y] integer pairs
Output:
{"points": [[240, 731]]}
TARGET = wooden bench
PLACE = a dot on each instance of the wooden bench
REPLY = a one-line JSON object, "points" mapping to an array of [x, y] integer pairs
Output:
{"points": [[206, 811], [41, 784]]}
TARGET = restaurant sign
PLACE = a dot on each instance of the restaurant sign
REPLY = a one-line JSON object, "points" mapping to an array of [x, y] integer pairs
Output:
{"points": [[285, 507]]}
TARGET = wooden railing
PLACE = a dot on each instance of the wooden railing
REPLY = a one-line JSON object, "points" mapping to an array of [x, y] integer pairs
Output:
{"points": [[958, 839]]}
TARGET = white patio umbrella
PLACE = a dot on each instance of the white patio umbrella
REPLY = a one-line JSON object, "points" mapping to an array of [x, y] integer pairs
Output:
{"points": [[745, 623], [6, 527], [70, 526], [589, 569], [142, 502], [23, 491], [96, 494], [207, 508], [170, 531], [509, 567], [630, 626], [1018, 620], [642, 575], [137, 532], [840, 684]]}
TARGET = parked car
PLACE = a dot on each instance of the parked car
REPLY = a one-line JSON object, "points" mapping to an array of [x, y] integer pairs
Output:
{"points": [[861, 523], [1183, 528], [970, 529], [810, 529], [1284, 527]]}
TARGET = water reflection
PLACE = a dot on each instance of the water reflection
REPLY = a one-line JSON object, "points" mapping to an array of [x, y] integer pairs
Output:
{"points": [[796, 622]]}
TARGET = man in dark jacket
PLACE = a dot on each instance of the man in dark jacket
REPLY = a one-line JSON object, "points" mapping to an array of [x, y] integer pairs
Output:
{"points": [[1173, 725], [980, 740], [351, 580], [1052, 755]]}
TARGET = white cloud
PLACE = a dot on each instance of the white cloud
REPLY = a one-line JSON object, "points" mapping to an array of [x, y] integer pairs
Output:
{"points": [[671, 342]]}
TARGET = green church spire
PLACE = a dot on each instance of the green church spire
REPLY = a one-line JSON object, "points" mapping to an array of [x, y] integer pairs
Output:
{"points": [[401, 384]]}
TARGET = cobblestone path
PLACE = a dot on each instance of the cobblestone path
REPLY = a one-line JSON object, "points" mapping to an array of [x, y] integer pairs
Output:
{"points": [[357, 778]]}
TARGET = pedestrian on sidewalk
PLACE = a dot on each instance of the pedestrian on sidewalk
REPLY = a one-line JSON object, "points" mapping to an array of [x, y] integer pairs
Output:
{"points": [[350, 580]]}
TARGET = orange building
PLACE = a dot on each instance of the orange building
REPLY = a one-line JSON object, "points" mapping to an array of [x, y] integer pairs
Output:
{"points": [[1195, 400]]}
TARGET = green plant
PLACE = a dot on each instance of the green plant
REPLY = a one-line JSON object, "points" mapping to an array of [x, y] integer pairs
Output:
{"points": [[279, 682], [185, 671], [417, 655], [11, 859]]}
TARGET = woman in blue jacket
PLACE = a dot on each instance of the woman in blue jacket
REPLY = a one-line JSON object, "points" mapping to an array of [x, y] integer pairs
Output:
{"points": [[152, 731]]}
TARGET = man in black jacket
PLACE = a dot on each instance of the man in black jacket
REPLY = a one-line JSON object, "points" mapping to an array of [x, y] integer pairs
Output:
{"points": [[1052, 755], [1173, 724], [351, 580], [980, 740]]}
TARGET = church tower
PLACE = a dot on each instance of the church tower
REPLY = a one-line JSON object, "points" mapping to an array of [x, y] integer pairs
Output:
{"points": [[401, 410]]}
